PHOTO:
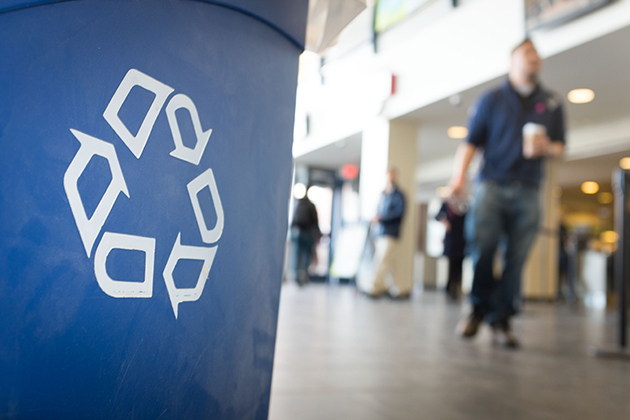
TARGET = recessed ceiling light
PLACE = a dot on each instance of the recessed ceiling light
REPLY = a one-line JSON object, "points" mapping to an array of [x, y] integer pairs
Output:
{"points": [[609, 236], [581, 96], [455, 100], [605, 197], [590, 187], [457, 132], [625, 163]]}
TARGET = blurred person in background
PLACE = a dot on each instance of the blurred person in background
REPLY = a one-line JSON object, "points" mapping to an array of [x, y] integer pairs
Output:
{"points": [[389, 216], [453, 217], [515, 125], [305, 234], [563, 262]]}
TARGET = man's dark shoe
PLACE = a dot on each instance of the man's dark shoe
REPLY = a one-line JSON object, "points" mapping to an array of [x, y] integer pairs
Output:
{"points": [[468, 327], [302, 278], [503, 336], [452, 293]]}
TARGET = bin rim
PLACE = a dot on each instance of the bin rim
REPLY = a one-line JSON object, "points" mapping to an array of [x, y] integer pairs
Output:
{"points": [[276, 17]]}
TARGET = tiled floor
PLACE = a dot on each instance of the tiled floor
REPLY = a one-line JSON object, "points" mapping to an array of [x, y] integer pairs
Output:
{"points": [[340, 355]]}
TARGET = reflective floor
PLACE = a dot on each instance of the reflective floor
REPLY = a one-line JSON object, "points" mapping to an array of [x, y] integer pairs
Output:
{"points": [[340, 355]]}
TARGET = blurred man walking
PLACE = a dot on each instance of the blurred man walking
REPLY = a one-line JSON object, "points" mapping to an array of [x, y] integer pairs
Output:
{"points": [[305, 233], [515, 125], [391, 209]]}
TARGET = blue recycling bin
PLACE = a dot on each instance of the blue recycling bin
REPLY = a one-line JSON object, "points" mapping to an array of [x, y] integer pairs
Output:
{"points": [[145, 170]]}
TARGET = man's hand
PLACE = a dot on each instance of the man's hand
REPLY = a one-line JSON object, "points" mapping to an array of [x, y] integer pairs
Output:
{"points": [[556, 149], [539, 147], [456, 187], [463, 156]]}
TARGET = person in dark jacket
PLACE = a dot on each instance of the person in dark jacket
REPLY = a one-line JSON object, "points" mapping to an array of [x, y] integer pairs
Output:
{"points": [[516, 126], [454, 246], [305, 233], [389, 217]]}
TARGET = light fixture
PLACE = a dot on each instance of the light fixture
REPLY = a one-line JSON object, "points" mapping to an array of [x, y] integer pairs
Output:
{"points": [[349, 172], [590, 187], [455, 100], [625, 163], [314, 193], [457, 132], [605, 197], [299, 191], [609, 236], [581, 96]]}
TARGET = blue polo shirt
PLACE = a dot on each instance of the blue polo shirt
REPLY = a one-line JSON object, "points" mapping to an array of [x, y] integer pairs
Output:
{"points": [[496, 126], [391, 209]]}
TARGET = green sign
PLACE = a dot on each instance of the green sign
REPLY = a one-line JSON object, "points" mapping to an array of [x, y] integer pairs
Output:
{"points": [[390, 12]]}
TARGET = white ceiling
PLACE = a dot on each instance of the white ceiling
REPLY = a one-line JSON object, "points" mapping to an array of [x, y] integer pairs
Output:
{"points": [[334, 156], [602, 65]]}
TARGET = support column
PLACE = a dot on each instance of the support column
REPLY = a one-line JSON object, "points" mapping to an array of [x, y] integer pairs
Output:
{"points": [[393, 143], [540, 275]]}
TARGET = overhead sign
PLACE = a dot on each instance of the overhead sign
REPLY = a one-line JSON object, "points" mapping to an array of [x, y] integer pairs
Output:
{"points": [[390, 12], [540, 13]]}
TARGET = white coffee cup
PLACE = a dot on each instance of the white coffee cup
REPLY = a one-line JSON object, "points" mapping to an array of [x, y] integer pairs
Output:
{"points": [[530, 131]]}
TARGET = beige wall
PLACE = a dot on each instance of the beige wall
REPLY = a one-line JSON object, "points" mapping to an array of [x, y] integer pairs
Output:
{"points": [[393, 143], [540, 275], [402, 155]]}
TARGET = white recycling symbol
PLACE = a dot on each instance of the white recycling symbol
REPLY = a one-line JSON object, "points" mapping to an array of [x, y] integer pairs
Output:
{"points": [[90, 227]]}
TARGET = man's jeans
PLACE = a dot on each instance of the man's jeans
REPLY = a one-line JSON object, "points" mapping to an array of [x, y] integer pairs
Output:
{"points": [[303, 250], [505, 215]]}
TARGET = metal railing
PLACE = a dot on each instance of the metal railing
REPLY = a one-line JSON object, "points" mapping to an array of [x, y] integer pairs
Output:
{"points": [[621, 188]]}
